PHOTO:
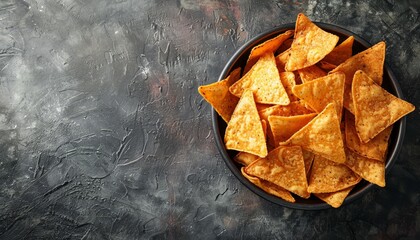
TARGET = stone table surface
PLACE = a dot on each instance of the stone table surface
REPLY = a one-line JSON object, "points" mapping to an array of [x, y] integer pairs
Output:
{"points": [[103, 134]]}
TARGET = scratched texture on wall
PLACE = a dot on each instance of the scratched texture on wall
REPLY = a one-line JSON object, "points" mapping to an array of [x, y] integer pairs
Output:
{"points": [[104, 136]]}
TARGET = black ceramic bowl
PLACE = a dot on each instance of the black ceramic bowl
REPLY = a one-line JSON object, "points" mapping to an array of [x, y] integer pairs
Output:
{"points": [[389, 83]]}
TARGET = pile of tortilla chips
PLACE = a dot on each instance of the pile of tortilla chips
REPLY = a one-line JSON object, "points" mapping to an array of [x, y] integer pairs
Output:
{"points": [[308, 117]]}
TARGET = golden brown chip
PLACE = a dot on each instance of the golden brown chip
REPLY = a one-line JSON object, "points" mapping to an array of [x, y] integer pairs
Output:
{"points": [[284, 127], [310, 44], [283, 166], [269, 187], [371, 61], [264, 81], [321, 136], [261, 106], [270, 45], [219, 97], [318, 93], [328, 176], [369, 169], [334, 199], [375, 109], [310, 73], [245, 158], [294, 108], [281, 60], [244, 131], [376, 148], [326, 66], [340, 53], [288, 81]]}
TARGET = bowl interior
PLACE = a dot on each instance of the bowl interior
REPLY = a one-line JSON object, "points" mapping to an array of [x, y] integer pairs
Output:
{"points": [[239, 60]]}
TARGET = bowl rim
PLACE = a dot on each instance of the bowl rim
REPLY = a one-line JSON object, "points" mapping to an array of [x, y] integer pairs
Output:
{"points": [[392, 156]]}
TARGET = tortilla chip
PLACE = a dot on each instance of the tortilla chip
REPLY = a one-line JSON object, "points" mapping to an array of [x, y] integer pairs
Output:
{"points": [[219, 97], [294, 108], [264, 81], [281, 60], [288, 81], [244, 131], [374, 149], [375, 109], [369, 169], [283, 166], [270, 45], [321, 136], [269, 187], [326, 66], [284, 127], [318, 93], [334, 199], [327, 176], [310, 73], [245, 158], [371, 61], [340, 53], [261, 106], [310, 44]]}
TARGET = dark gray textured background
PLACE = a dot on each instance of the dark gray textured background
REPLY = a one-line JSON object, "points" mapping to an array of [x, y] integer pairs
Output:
{"points": [[104, 136]]}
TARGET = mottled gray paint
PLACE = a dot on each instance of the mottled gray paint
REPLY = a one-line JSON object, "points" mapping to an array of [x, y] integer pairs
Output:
{"points": [[104, 136]]}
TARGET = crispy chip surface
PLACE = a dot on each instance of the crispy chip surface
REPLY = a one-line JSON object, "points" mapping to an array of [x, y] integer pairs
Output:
{"points": [[244, 131], [335, 199], [288, 81], [369, 169], [284, 127], [283, 166], [219, 97], [376, 148], [371, 61], [340, 53], [375, 109], [308, 158], [322, 91], [310, 73], [269, 187], [322, 136], [310, 44], [328, 176], [281, 60], [270, 45], [245, 158], [264, 81]]}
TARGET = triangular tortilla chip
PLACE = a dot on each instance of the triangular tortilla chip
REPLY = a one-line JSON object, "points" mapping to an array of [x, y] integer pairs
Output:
{"points": [[318, 93], [269, 187], [376, 148], [327, 176], [264, 81], [371, 61], [294, 108], [244, 131], [288, 81], [310, 44], [334, 199], [283, 166], [310, 73], [340, 53], [321, 136], [375, 109], [219, 97], [369, 169], [270, 45], [284, 127]]}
